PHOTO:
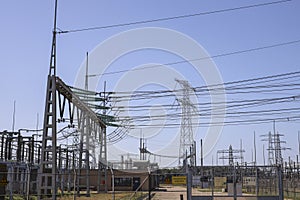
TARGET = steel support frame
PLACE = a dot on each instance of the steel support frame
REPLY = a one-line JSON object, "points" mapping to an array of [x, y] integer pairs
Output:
{"points": [[90, 126], [47, 180]]}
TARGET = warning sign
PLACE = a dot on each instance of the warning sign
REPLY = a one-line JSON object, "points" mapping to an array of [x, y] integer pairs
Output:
{"points": [[178, 180], [220, 182]]}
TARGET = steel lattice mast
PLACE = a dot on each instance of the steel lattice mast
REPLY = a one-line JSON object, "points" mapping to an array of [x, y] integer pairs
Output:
{"points": [[186, 131], [269, 139], [277, 145], [63, 103], [274, 148], [47, 180]]}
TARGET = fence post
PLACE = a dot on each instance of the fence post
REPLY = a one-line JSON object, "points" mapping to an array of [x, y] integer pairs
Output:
{"points": [[188, 183], [234, 183], [256, 181], [149, 184], [280, 183], [212, 182]]}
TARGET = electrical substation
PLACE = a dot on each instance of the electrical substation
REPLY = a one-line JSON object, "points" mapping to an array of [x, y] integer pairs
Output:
{"points": [[68, 157]]}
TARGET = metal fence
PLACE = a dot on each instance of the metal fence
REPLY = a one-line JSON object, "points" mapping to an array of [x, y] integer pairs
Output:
{"points": [[239, 182], [209, 182]]}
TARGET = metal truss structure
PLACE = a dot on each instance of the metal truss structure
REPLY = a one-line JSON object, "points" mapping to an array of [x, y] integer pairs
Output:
{"points": [[186, 131], [63, 105], [231, 155]]}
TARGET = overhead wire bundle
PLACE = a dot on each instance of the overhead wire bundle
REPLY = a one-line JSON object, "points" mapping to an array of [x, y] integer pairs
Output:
{"points": [[258, 100], [250, 101]]}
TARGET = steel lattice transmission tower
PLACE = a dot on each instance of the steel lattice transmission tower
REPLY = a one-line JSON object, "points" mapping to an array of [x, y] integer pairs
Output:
{"points": [[277, 145], [278, 149], [274, 148], [187, 144], [269, 138], [231, 155]]}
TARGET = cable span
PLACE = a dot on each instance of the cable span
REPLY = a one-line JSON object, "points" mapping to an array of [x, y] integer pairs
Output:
{"points": [[250, 101], [203, 58], [171, 18]]}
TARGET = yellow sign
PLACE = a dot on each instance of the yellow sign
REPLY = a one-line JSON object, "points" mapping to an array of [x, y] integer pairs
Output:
{"points": [[220, 182], [3, 181], [178, 180]]}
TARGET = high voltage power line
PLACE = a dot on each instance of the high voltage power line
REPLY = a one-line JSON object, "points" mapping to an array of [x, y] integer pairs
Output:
{"points": [[172, 18], [233, 85], [203, 58], [232, 111], [187, 16], [257, 85], [238, 111]]}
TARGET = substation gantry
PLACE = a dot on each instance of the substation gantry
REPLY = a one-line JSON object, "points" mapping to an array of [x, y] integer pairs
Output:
{"points": [[64, 106]]}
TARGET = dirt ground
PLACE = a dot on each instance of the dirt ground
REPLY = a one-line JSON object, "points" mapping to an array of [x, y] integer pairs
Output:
{"points": [[105, 196], [172, 193], [163, 193], [166, 192]]}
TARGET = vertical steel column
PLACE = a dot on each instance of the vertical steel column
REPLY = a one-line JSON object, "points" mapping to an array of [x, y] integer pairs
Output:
{"points": [[87, 156], [256, 181], [9, 157], [81, 125], [19, 158], [2, 146], [99, 174], [32, 150], [48, 165], [6, 147], [59, 168], [104, 158]]}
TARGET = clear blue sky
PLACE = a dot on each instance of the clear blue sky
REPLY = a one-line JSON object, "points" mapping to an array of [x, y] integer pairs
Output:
{"points": [[26, 42]]}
